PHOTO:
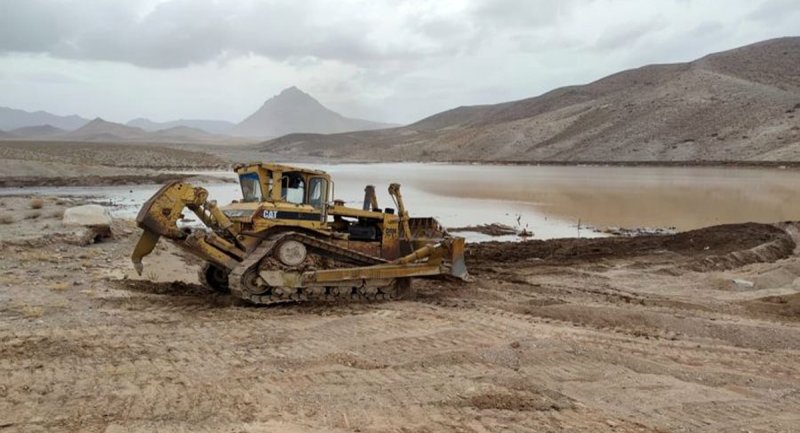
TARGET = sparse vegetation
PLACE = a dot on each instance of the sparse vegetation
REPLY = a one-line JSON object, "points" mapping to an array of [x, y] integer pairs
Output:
{"points": [[6, 219], [58, 213], [59, 287], [37, 203], [33, 215], [31, 311]]}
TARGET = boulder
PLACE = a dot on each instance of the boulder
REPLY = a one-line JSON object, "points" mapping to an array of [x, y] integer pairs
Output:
{"points": [[89, 215], [741, 284], [92, 223]]}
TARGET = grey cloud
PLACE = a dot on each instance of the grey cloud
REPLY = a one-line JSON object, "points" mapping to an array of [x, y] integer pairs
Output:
{"points": [[772, 10], [181, 32], [628, 35], [24, 27], [505, 13], [177, 33]]}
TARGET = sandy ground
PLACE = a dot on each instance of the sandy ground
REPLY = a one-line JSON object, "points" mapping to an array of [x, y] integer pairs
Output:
{"points": [[696, 332]]}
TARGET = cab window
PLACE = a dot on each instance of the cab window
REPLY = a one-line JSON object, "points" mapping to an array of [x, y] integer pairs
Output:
{"points": [[293, 188], [317, 191], [251, 187], [268, 194]]}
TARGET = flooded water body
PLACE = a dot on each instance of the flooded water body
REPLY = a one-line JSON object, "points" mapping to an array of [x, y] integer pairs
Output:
{"points": [[547, 200]]}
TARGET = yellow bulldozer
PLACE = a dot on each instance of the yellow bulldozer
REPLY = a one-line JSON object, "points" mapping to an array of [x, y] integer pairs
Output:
{"points": [[287, 240]]}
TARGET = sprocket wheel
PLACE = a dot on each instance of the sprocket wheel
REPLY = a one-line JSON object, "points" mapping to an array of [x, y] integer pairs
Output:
{"points": [[214, 277]]}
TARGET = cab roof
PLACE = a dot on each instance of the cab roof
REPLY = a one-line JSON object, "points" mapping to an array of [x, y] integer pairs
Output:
{"points": [[275, 167]]}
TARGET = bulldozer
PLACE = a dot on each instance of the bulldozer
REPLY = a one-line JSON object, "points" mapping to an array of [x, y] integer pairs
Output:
{"points": [[288, 240]]}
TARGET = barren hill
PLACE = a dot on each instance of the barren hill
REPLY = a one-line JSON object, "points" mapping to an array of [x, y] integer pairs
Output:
{"points": [[210, 126], [296, 111], [738, 105], [179, 133], [37, 131], [11, 118], [99, 129]]}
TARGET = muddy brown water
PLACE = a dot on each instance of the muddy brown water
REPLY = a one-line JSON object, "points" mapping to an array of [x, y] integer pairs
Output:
{"points": [[548, 200], [682, 197]]}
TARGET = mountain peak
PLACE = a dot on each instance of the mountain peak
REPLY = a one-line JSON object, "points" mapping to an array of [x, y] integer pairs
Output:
{"points": [[293, 110], [292, 95], [292, 90], [100, 127]]}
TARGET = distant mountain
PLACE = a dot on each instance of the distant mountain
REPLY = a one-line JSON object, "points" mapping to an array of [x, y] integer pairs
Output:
{"points": [[738, 105], [4, 134], [101, 130], [37, 131], [184, 133], [210, 126], [296, 111], [11, 118]]}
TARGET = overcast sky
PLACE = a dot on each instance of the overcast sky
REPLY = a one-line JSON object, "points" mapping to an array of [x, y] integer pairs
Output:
{"points": [[386, 60]]}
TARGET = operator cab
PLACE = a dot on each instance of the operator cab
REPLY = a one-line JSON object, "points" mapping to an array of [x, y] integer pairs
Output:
{"points": [[279, 183]]}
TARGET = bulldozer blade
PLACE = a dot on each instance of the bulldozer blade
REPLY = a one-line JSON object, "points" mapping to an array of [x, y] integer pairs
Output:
{"points": [[458, 267], [144, 247]]}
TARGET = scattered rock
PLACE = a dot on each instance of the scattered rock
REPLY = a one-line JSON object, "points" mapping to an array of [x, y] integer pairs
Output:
{"points": [[92, 224], [87, 216]]}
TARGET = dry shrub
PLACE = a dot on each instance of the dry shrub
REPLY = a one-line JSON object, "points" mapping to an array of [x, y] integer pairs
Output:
{"points": [[58, 213], [59, 287], [31, 311], [33, 215], [6, 219], [37, 203]]}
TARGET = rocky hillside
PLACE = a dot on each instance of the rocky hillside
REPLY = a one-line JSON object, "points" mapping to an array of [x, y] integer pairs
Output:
{"points": [[294, 111], [738, 105]]}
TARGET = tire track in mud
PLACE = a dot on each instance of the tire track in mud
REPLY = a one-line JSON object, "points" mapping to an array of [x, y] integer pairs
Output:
{"points": [[482, 357], [711, 416]]}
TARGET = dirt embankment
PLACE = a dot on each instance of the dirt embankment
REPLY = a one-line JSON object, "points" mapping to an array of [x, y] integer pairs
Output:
{"points": [[603, 335], [694, 247], [109, 155], [32, 163], [132, 179]]}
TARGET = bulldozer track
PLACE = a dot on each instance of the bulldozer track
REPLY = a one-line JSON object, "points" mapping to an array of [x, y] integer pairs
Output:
{"points": [[237, 285]]}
